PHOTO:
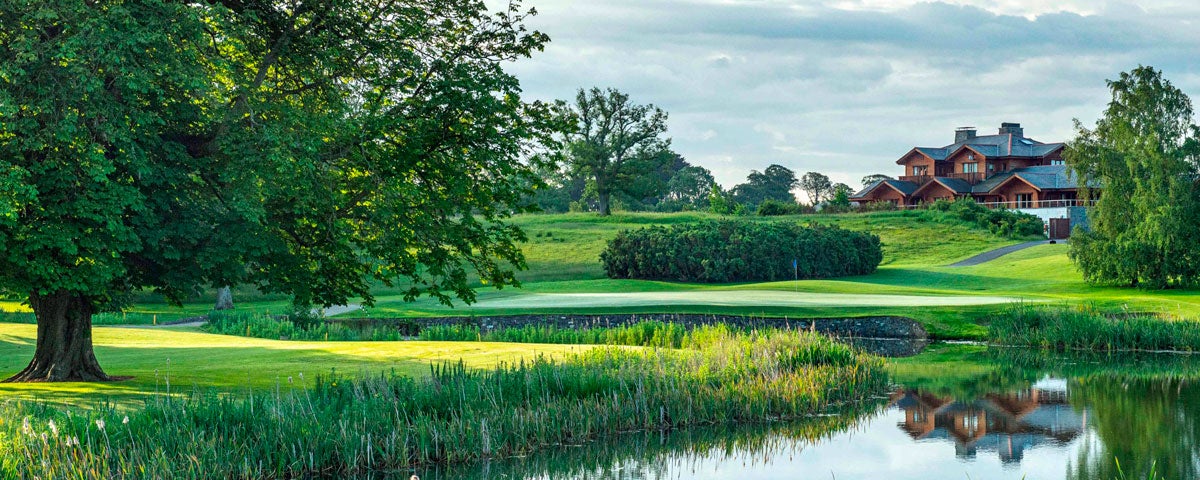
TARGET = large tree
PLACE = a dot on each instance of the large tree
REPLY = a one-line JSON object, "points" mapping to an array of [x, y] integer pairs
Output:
{"points": [[776, 182], [1142, 158], [615, 142], [818, 186], [308, 147]]}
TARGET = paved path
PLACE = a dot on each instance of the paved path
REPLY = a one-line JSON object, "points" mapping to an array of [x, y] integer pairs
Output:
{"points": [[728, 298], [997, 253]]}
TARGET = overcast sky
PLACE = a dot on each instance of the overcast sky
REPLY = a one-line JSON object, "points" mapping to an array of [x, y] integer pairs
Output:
{"points": [[847, 87]]}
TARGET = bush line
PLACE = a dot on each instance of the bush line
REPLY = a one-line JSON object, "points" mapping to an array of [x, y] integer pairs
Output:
{"points": [[722, 251]]}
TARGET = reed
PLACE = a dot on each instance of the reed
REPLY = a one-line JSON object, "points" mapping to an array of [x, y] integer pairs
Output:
{"points": [[347, 426], [260, 325], [1086, 328], [640, 334]]}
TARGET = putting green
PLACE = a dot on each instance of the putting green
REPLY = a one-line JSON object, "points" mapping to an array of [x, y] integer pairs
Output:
{"points": [[729, 298]]}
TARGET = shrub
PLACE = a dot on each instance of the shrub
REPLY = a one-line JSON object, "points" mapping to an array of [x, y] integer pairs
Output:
{"points": [[738, 250], [1002, 222], [877, 206], [773, 208]]}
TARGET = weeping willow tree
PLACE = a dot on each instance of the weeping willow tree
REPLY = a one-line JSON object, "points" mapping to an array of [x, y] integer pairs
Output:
{"points": [[1141, 164]]}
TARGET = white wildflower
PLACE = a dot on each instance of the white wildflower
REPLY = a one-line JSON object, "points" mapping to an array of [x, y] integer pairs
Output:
{"points": [[125, 421], [100, 424], [26, 427], [53, 428]]}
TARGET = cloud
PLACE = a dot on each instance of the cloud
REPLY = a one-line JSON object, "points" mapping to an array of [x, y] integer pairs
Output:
{"points": [[847, 87]]}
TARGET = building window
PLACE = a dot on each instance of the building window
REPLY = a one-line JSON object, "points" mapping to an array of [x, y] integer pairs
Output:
{"points": [[1024, 200], [1058, 161], [920, 171], [970, 168]]}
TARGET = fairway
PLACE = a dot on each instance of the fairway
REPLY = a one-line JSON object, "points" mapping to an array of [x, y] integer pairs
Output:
{"points": [[728, 298], [189, 359]]}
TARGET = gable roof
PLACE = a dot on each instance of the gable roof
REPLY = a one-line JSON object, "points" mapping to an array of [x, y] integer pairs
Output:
{"points": [[1006, 145], [1045, 177], [905, 188]]}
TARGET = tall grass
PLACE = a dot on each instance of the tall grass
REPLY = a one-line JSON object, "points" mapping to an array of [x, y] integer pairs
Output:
{"points": [[101, 319], [259, 325], [1066, 328], [343, 426], [642, 334]]}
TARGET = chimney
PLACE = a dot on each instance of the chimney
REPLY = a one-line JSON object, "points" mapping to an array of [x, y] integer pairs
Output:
{"points": [[1013, 128], [962, 134]]}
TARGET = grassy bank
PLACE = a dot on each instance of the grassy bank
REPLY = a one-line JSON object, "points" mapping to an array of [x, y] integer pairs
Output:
{"points": [[347, 426], [187, 359], [1082, 328]]}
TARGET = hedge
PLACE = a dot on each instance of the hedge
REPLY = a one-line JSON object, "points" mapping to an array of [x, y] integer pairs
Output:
{"points": [[740, 250], [1000, 221]]}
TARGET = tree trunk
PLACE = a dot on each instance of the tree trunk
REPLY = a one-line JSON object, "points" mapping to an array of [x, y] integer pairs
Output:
{"points": [[64, 341], [604, 209], [224, 299]]}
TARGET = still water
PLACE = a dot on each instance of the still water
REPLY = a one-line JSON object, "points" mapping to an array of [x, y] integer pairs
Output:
{"points": [[956, 412]]}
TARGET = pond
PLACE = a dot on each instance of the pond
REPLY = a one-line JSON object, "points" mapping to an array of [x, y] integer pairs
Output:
{"points": [[956, 411]]}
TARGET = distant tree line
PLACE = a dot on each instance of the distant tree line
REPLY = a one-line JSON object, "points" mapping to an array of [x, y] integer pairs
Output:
{"points": [[615, 155]]}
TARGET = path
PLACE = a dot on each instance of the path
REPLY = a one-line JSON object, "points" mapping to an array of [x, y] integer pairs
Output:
{"points": [[727, 298], [997, 253]]}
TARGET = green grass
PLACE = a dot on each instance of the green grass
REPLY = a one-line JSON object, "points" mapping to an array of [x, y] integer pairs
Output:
{"points": [[349, 427], [563, 255], [189, 358]]}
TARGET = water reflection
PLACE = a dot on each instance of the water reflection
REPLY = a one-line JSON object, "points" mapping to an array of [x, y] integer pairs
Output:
{"points": [[959, 412], [1005, 423]]}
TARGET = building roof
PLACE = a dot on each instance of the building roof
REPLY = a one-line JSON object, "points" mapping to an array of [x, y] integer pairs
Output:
{"points": [[906, 188], [1045, 177], [1004, 145], [958, 185]]}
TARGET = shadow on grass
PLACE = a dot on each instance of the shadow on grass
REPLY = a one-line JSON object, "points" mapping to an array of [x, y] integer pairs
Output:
{"points": [[244, 365]]}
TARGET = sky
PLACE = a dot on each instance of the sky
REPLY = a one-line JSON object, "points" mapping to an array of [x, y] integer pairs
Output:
{"points": [[846, 87]]}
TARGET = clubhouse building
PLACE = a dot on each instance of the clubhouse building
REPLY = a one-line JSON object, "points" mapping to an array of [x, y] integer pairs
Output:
{"points": [[1007, 170]]}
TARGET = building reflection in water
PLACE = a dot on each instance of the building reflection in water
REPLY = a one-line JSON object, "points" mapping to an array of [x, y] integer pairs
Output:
{"points": [[1008, 424]]}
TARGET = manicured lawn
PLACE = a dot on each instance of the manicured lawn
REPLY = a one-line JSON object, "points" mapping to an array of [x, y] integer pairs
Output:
{"points": [[189, 358], [563, 256]]}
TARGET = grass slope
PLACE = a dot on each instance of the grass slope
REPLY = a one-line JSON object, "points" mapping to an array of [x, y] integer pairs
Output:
{"points": [[189, 358], [563, 256]]}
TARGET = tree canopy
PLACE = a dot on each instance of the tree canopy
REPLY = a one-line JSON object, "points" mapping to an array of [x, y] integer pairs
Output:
{"points": [[309, 148], [872, 178], [616, 142], [818, 186], [773, 183], [1142, 159]]}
